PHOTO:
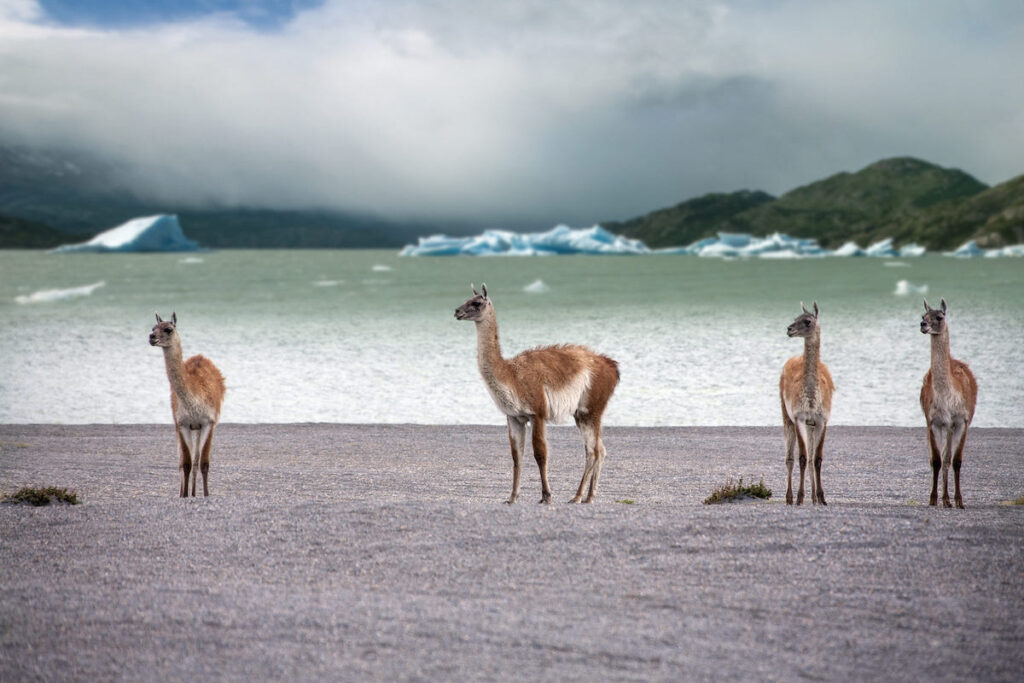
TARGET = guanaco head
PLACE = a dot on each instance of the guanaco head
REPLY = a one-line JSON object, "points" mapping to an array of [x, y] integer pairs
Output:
{"points": [[475, 307], [934, 319], [164, 331], [806, 324]]}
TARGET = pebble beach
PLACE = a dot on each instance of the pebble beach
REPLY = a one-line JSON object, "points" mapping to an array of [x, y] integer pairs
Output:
{"points": [[385, 552]]}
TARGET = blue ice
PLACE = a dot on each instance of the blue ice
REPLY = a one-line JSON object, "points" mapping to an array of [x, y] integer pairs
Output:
{"points": [[150, 233]]}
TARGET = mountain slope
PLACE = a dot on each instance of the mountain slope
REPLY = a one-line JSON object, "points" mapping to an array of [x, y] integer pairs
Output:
{"points": [[19, 233], [52, 198], [79, 197], [688, 221], [994, 218], [871, 204], [904, 198]]}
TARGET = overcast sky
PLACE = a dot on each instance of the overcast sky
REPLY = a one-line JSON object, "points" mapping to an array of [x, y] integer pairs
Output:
{"points": [[520, 113]]}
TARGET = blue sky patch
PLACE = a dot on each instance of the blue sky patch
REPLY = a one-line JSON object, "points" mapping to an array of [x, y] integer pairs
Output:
{"points": [[263, 14]]}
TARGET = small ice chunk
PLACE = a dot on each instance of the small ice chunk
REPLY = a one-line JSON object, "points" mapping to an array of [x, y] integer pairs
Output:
{"points": [[905, 288], [536, 287], [849, 249], [968, 249], [882, 248], [912, 250], [45, 296], [379, 268], [1014, 250], [781, 254]]}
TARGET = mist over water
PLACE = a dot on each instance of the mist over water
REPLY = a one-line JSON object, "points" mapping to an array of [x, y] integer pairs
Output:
{"points": [[367, 336]]}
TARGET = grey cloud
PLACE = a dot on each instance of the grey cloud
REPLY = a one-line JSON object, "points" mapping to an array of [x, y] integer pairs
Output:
{"points": [[514, 112]]}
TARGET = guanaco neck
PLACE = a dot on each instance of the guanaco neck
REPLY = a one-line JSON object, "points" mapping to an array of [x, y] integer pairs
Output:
{"points": [[173, 363], [812, 352], [940, 361], [488, 348]]}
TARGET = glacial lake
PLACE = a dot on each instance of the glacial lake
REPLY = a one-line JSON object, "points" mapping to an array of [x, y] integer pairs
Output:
{"points": [[370, 337]]}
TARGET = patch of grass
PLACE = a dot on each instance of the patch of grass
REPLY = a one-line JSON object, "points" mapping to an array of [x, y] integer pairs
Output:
{"points": [[730, 491], [42, 496], [626, 501], [1019, 501]]}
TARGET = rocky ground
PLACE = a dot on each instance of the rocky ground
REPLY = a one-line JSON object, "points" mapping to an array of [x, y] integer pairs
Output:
{"points": [[384, 552]]}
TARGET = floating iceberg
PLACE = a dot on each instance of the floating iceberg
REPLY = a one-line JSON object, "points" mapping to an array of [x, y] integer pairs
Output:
{"points": [[911, 250], [1013, 250], [781, 254], [739, 245], [883, 249], [596, 240], [727, 245], [559, 240], [968, 249], [692, 249], [849, 249], [151, 233]]}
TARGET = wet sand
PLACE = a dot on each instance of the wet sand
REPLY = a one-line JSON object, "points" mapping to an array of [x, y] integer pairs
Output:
{"points": [[385, 552]]}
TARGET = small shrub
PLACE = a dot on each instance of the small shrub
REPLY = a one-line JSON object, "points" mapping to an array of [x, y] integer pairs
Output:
{"points": [[730, 491], [42, 496], [1019, 501], [626, 501]]}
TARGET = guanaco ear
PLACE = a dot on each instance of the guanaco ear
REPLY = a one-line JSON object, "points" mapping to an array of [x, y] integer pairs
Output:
{"points": [[926, 306], [473, 287], [174, 319], [943, 304], [159, 319], [483, 286], [815, 309], [804, 308]]}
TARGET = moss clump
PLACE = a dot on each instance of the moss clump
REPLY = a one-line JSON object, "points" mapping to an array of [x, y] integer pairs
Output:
{"points": [[731, 491], [42, 496]]}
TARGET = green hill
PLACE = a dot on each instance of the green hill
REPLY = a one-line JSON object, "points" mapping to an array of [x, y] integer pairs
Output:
{"points": [[19, 233], [994, 218], [689, 221], [904, 198], [871, 204]]}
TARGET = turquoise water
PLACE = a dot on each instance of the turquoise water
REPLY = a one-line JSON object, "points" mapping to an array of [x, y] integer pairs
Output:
{"points": [[368, 336]]}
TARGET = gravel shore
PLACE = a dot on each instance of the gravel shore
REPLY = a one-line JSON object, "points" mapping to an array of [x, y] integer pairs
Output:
{"points": [[344, 552]]}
